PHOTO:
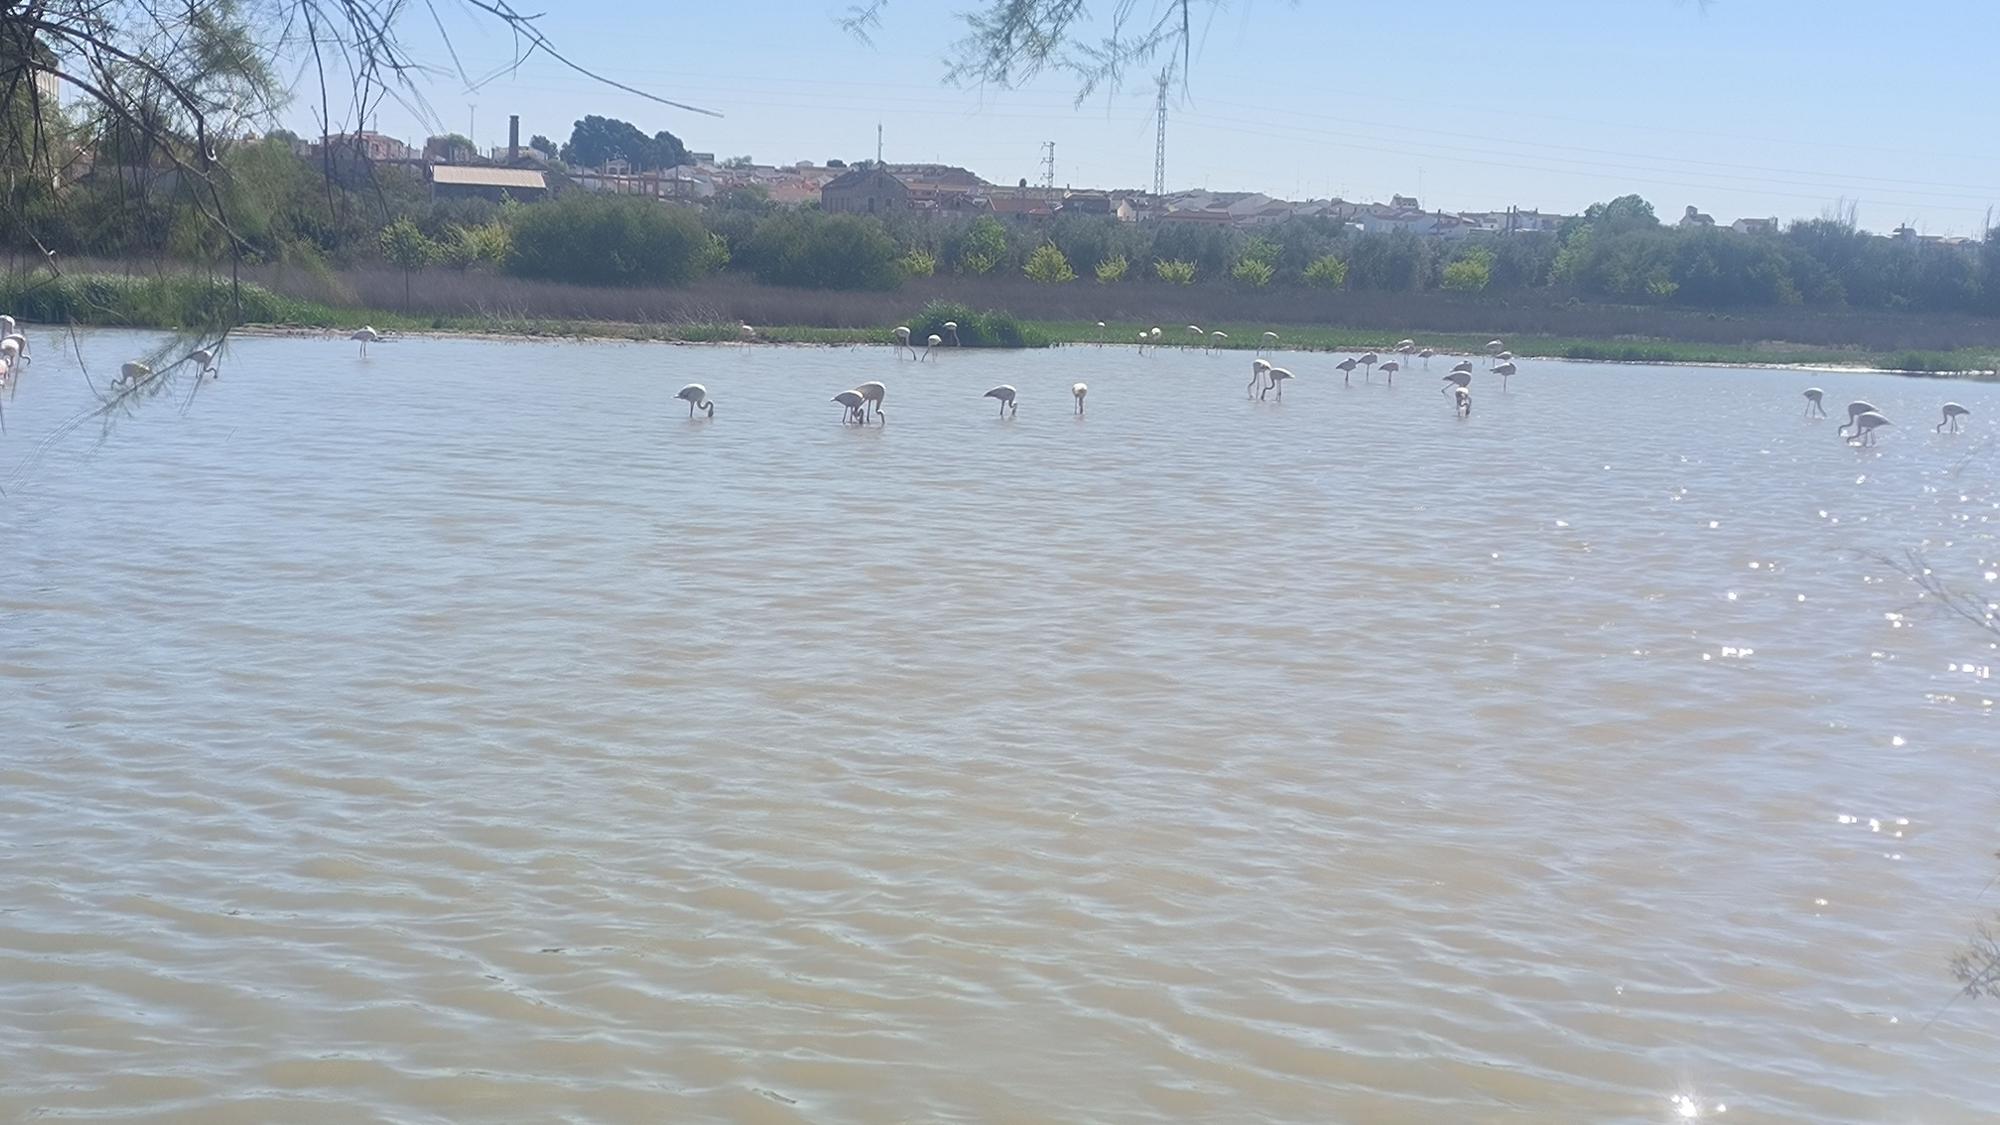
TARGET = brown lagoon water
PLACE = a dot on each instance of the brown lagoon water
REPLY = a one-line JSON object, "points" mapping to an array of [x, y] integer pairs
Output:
{"points": [[464, 735]]}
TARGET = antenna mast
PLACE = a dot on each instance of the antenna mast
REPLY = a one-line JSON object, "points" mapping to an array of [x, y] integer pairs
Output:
{"points": [[1049, 165], [1160, 142]]}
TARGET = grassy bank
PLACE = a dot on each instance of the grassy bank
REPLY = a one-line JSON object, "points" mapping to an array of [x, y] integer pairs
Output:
{"points": [[176, 301]]}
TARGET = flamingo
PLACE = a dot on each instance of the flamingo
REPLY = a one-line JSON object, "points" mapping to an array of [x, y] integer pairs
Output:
{"points": [[696, 396], [1216, 339], [1815, 404], [10, 351], [1279, 377], [367, 335], [903, 341], [748, 332], [1464, 401], [7, 326], [1505, 370], [1390, 368], [204, 359], [1156, 333], [1952, 413], [933, 342], [1258, 369], [1425, 354], [1196, 330], [1346, 368], [871, 394], [1079, 390], [1005, 393], [951, 332], [1457, 379], [851, 402], [1142, 343], [1270, 341], [1504, 357], [1855, 410], [1405, 347], [1494, 347], [1865, 425], [132, 374], [1369, 360]]}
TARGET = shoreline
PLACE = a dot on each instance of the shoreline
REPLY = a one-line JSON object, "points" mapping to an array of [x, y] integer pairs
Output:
{"points": [[169, 303], [1791, 358]]}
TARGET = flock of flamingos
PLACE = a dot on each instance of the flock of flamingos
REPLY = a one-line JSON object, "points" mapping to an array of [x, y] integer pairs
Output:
{"points": [[864, 403]]}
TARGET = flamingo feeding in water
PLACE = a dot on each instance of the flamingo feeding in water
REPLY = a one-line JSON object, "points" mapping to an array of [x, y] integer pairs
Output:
{"points": [[1079, 390], [871, 394], [1279, 377], [1005, 393], [850, 402], [933, 342], [1815, 403], [7, 325], [1217, 339], [696, 396], [1198, 334], [204, 360], [1346, 368], [1855, 410], [132, 374], [1258, 369], [1270, 340], [748, 332], [951, 332], [367, 335], [1865, 425], [903, 341], [1952, 413]]}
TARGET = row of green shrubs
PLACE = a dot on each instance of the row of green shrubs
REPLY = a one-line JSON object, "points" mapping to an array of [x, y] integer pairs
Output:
{"points": [[171, 302]]}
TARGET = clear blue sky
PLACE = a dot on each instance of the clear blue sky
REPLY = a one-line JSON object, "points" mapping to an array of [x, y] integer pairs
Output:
{"points": [[1743, 107]]}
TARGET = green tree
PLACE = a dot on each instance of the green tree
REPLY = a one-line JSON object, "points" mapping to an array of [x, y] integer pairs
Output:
{"points": [[543, 145], [1174, 272], [1048, 266], [1112, 269], [1326, 272], [918, 262], [406, 248], [985, 244], [818, 251], [610, 240], [1469, 274], [1254, 273], [1627, 212], [596, 141]]}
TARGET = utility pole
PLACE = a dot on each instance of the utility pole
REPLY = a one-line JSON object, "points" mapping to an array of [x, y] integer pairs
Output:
{"points": [[878, 144], [1160, 141], [1049, 165], [472, 126]]}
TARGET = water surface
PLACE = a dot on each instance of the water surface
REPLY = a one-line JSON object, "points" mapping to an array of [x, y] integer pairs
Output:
{"points": [[464, 734]]}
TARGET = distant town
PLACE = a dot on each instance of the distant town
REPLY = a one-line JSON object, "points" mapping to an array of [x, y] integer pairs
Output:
{"points": [[455, 168]]}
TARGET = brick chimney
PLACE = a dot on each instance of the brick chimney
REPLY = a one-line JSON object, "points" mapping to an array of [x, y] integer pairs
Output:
{"points": [[513, 138]]}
